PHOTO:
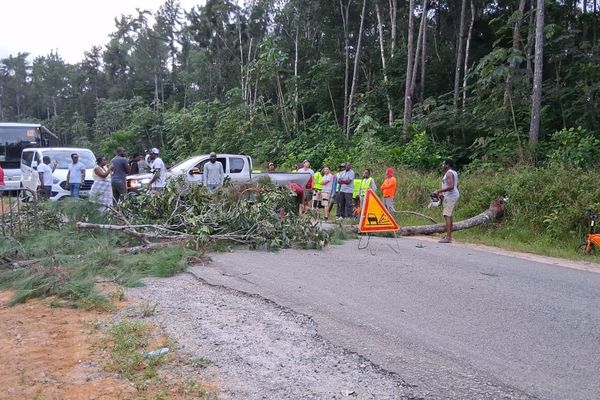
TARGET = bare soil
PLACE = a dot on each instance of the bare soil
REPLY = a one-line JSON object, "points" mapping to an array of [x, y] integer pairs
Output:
{"points": [[47, 354], [58, 353]]}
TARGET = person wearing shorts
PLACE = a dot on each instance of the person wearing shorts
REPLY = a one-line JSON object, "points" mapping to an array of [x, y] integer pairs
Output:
{"points": [[451, 195], [326, 191]]}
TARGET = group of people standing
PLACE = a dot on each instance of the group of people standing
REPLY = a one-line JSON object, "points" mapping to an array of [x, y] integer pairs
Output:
{"points": [[348, 191], [110, 179], [344, 189]]}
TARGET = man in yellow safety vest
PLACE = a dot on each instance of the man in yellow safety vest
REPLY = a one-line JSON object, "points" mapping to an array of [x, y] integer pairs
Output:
{"points": [[366, 183], [317, 188]]}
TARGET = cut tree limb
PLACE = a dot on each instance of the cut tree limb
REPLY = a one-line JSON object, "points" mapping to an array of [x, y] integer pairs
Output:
{"points": [[496, 210], [131, 230]]}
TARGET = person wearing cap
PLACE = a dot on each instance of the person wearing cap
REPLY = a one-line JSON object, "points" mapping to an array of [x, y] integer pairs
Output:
{"points": [[388, 188], [213, 174], [158, 180], [271, 167], [307, 199]]}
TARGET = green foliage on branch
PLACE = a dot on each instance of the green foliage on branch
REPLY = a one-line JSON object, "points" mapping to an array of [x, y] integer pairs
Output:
{"points": [[259, 215]]}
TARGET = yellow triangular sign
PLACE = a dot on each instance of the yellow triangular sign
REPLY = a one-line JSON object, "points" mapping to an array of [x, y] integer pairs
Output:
{"points": [[374, 217]]}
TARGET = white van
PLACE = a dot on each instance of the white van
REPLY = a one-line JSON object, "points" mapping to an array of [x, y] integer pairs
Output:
{"points": [[32, 157]]}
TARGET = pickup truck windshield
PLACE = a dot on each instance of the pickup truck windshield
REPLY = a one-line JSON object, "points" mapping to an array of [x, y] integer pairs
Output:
{"points": [[184, 166]]}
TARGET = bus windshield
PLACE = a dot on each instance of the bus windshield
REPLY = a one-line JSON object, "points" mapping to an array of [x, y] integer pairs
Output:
{"points": [[12, 140], [64, 157], [14, 137]]}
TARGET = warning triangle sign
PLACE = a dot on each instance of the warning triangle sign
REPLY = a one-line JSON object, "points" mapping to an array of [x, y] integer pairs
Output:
{"points": [[374, 217]]}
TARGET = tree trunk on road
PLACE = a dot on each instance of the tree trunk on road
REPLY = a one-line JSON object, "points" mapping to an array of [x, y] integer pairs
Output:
{"points": [[496, 210]]}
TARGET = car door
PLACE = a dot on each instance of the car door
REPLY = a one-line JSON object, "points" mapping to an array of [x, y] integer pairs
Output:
{"points": [[27, 171], [236, 169], [196, 174]]}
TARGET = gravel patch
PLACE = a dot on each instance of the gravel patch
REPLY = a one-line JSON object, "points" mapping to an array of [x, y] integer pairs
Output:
{"points": [[258, 349]]}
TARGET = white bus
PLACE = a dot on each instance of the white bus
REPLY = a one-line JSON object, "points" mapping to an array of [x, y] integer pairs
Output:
{"points": [[14, 137]]}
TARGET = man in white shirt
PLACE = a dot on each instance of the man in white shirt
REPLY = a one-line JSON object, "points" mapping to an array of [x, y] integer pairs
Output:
{"points": [[76, 175], [45, 173], [158, 180], [213, 173]]}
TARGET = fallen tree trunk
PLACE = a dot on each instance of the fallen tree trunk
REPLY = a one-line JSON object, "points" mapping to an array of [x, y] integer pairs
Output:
{"points": [[131, 230], [496, 210]]}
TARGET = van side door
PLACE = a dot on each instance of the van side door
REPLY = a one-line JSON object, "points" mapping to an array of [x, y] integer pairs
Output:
{"points": [[27, 180]]}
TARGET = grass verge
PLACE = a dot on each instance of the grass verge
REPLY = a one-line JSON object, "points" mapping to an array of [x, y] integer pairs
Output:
{"points": [[68, 262], [128, 344]]}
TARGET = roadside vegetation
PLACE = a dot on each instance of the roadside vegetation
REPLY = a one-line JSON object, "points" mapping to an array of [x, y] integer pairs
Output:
{"points": [[544, 212], [175, 227]]}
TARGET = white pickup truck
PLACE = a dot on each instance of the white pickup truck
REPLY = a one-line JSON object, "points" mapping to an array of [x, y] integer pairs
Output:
{"points": [[237, 167]]}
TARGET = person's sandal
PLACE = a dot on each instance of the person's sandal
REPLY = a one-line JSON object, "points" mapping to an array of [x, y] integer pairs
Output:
{"points": [[445, 240]]}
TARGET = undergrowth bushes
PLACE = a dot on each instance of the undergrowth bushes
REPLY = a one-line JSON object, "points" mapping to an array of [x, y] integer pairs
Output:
{"points": [[543, 203]]}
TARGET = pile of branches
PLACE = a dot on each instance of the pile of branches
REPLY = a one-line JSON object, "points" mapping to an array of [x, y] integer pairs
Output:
{"points": [[260, 215]]}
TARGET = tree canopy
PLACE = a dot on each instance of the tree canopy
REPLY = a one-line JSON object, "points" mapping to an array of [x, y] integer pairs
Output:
{"points": [[397, 81]]}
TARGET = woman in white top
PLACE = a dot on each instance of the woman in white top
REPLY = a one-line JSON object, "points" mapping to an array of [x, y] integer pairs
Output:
{"points": [[451, 195], [101, 192]]}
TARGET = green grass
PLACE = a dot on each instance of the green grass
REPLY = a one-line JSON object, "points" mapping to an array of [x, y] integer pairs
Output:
{"points": [[70, 261], [544, 213], [129, 343]]}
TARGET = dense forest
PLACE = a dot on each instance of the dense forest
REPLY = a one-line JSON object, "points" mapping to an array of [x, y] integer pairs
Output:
{"points": [[492, 83]]}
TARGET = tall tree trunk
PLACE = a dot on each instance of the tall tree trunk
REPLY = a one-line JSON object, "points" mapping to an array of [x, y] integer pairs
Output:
{"points": [[384, 65], [413, 79], [516, 39], [459, 52], [536, 96], [296, 96], [248, 95], [423, 60], [393, 25], [242, 78], [409, 66], [530, 37], [156, 99], [467, 51], [355, 73], [345, 11]]}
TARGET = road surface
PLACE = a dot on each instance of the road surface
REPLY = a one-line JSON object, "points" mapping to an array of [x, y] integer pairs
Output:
{"points": [[455, 321]]}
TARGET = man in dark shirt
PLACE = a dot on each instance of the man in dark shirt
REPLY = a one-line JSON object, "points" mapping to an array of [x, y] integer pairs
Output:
{"points": [[133, 164], [120, 169]]}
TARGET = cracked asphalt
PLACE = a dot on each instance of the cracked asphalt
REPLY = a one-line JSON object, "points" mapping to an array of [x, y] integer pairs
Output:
{"points": [[445, 321]]}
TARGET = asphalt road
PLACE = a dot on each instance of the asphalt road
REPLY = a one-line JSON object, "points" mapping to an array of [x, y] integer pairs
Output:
{"points": [[454, 321]]}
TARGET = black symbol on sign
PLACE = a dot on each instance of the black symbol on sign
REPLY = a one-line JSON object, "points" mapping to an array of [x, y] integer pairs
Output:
{"points": [[373, 220]]}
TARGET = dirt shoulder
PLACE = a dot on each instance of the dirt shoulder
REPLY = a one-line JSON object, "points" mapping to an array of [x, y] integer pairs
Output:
{"points": [[47, 353], [51, 352]]}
